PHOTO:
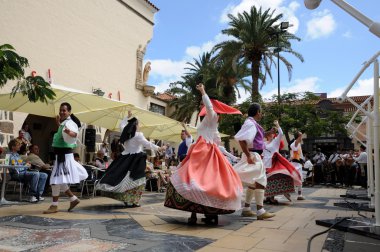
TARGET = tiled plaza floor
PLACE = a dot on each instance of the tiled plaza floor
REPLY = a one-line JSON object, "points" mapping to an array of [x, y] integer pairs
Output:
{"points": [[103, 224]]}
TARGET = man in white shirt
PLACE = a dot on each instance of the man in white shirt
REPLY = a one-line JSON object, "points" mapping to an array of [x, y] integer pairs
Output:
{"points": [[319, 159], [362, 161], [332, 163], [250, 168]]}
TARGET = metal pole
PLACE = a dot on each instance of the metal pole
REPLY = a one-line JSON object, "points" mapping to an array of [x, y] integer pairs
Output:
{"points": [[278, 77], [376, 140], [369, 157]]}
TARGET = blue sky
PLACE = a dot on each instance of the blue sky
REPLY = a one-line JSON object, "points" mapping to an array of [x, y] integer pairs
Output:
{"points": [[334, 44]]}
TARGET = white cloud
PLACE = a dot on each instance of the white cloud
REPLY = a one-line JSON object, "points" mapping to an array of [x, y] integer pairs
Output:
{"points": [[165, 71], [196, 51], [167, 68], [164, 84], [309, 84], [299, 86], [277, 5], [321, 25], [362, 87]]}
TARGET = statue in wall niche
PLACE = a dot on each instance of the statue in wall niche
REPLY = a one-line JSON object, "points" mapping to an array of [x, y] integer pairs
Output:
{"points": [[147, 69], [139, 57]]}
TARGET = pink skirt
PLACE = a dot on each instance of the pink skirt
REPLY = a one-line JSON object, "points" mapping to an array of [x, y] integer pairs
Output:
{"points": [[207, 178], [281, 165]]}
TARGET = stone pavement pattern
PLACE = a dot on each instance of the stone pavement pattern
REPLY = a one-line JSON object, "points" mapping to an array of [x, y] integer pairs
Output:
{"points": [[103, 224]]}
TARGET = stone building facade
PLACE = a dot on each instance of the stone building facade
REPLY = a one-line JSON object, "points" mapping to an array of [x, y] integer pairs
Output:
{"points": [[81, 44]]}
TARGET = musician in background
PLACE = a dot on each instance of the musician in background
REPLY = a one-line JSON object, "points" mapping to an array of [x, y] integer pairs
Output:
{"points": [[319, 159], [361, 159]]}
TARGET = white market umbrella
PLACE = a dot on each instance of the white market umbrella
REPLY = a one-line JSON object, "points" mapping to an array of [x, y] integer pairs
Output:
{"points": [[111, 117], [80, 101], [153, 125]]}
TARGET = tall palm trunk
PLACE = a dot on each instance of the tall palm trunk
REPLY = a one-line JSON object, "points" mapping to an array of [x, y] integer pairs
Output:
{"points": [[255, 71]]}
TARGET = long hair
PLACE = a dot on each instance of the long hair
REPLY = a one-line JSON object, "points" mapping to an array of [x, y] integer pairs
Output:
{"points": [[129, 131]]}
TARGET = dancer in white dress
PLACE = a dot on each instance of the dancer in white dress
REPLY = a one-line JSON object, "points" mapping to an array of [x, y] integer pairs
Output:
{"points": [[297, 158], [281, 174], [124, 179]]}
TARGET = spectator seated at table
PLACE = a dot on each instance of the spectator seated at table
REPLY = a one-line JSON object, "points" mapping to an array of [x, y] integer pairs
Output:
{"points": [[24, 143], [37, 164], [100, 163], [34, 159], [173, 166], [35, 179], [77, 158], [160, 175]]}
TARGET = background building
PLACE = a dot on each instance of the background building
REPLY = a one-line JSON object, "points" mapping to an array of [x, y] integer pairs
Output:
{"points": [[81, 44]]}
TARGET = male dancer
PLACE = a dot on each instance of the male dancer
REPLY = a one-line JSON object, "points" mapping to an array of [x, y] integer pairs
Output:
{"points": [[250, 168]]}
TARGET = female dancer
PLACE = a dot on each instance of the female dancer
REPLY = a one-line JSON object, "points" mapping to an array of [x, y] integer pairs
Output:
{"points": [[296, 157], [282, 176], [66, 170], [124, 179], [205, 182]]}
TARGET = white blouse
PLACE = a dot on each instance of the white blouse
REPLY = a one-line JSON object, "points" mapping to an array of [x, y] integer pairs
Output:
{"points": [[247, 132], [137, 143], [296, 151], [270, 148], [208, 128]]}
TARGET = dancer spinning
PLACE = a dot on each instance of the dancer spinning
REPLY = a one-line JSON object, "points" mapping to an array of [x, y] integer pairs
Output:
{"points": [[66, 170], [124, 179], [282, 176], [296, 157], [250, 168], [205, 182]]}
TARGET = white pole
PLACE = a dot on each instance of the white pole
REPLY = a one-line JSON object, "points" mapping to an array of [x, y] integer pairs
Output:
{"points": [[369, 157], [348, 88], [376, 140], [374, 27], [357, 111], [354, 12], [357, 130]]}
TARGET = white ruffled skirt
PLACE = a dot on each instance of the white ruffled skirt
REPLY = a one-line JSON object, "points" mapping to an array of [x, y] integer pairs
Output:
{"points": [[251, 173], [75, 171], [298, 166]]}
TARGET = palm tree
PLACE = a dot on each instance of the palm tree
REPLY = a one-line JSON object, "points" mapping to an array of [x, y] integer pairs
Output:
{"points": [[220, 81], [228, 80], [12, 68], [253, 42], [188, 98]]}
